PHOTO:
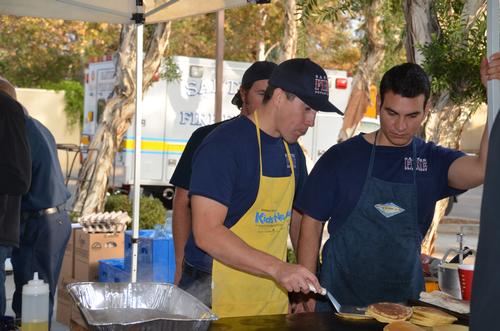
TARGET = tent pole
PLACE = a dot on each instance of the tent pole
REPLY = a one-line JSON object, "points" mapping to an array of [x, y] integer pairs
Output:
{"points": [[493, 47], [219, 64], [138, 138]]}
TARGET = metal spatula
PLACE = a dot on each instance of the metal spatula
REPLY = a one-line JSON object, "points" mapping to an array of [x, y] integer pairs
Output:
{"points": [[338, 307]]}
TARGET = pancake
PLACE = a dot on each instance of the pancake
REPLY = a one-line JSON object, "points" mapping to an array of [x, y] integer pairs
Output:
{"points": [[388, 312], [402, 326], [428, 316], [426, 322], [451, 327], [433, 313], [353, 317]]}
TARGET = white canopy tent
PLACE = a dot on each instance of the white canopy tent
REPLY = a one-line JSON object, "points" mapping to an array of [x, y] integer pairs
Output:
{"points": [[493, 47], [115, 11], [137, 12]]}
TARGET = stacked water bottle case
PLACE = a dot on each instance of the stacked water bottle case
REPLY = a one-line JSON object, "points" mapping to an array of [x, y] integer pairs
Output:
{"points": [[155, 258]]}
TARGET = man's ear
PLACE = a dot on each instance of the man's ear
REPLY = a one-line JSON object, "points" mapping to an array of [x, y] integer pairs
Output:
{"points": [[277, 96]]}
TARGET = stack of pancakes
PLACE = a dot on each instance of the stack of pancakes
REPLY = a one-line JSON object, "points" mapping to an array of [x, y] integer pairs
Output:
{"points": [[428, 316], [387, 312], [403, 318]]}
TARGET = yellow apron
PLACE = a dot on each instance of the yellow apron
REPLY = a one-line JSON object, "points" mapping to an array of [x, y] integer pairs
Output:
{"points": [[264, 227]]}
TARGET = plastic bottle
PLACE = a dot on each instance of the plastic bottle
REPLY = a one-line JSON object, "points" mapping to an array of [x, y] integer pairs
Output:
{"points": [[35, 307]]}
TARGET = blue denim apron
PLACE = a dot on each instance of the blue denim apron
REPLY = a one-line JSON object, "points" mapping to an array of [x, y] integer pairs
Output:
{"points": [[374, 256]]}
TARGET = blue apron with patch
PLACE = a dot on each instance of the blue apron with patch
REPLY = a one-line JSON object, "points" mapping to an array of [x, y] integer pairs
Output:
{"points": [[375, 255]]}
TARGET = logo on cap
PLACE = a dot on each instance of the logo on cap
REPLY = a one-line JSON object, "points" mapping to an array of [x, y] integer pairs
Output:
{"points": [[321, 85]]}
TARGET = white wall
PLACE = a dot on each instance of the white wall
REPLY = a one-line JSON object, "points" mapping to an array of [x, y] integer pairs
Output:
{"points": [[473, 131], [48, 107]]}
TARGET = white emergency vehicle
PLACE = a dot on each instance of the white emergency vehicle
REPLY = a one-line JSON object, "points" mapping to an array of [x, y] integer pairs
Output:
{"points": [[174, 109]]}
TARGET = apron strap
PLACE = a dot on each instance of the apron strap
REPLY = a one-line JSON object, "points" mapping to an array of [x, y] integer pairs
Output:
{"points": [[372, 157], [257, 127], [287, 149], [414, 161]]}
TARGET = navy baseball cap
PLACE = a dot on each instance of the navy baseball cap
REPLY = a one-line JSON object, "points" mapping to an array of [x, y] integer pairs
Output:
{"points": [[307, 80], [257, 71]]}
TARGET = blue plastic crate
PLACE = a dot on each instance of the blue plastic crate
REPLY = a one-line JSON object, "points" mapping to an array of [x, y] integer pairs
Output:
{"points": [[156, 257], [113, 271]]}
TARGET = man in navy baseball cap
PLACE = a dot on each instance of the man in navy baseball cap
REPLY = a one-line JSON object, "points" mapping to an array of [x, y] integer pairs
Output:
{"points": [[245, 176], [307, 80]]}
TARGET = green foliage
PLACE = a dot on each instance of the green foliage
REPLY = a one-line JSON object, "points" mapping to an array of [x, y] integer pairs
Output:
{"points": [[393, 29], [152, 212], [151, 209], [348, 17], [170, 71], [73, 216], [325, 35], [50, 54], [194, 36], [34, 51], [453, 58], [117, 202], [73, 96]]}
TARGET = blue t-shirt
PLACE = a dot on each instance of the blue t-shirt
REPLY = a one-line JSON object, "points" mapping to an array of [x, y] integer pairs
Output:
{"points": [[182, 174], [334, 186], [226, 169], [47, 181]]}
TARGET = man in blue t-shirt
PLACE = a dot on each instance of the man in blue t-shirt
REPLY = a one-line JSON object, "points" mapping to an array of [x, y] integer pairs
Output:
{"points": [[247, 99], [378, 191], [244, 178], [45, 227]]}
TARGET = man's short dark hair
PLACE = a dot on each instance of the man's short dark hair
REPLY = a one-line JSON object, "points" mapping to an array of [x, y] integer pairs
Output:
{"points": [[268, 94], [237, 100], [259, 70], [408, 80]]}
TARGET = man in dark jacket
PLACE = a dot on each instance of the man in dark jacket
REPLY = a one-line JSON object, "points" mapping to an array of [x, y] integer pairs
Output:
{"points": [[15, 175]]}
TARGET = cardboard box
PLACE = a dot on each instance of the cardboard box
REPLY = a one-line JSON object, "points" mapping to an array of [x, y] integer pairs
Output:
{"points": [[71, 242], [68, 264], [74, 326], [64, 303], [90, 248], [76, 318], [67, 267]]}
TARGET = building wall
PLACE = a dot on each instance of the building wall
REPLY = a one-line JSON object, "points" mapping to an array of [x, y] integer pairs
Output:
{"points": [[48, 107], [473, 131]]}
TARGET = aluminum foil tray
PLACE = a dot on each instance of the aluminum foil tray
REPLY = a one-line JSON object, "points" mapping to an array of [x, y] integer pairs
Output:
{"points": [[139, 307]]}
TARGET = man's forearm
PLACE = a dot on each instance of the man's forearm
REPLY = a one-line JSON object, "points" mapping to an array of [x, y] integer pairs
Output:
{"points": [[225, 246], [181, 223], [309, 242], [222, 244], [468, 171], [295, 229]]}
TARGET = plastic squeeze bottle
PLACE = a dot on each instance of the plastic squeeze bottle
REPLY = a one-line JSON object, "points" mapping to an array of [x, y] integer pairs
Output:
{"points": [[35, 306]]}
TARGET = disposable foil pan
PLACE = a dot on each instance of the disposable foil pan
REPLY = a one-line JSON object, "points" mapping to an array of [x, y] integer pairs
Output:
{"points": [[139, 307]]}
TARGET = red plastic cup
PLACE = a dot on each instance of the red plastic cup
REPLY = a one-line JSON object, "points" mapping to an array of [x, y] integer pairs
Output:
{"points": [[466, 273]]}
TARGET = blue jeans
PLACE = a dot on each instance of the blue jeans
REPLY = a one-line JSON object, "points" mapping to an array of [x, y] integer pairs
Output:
{"points": [[41, 248], [4, 254], [197, 283]]}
